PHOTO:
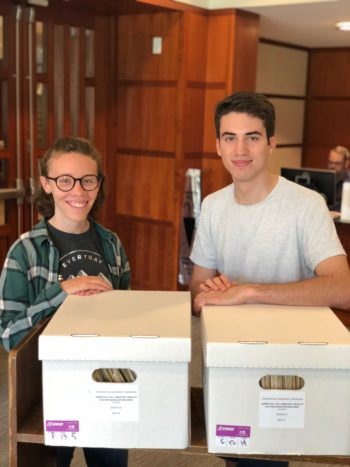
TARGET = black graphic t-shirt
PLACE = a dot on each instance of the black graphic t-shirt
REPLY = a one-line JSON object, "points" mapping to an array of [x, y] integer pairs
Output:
{"points": [[80, 254]]}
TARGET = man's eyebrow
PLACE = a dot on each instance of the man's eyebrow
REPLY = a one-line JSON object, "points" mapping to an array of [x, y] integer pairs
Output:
{"points": [[249, 133]]}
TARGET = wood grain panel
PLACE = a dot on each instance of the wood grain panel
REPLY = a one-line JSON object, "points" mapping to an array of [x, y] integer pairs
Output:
{"points": [[135, 58], [245, 51], [315, 156], [193, 128], [146, 117], [214, 176], [328, 105], [4, 246], [220, 46], [327, 123], [145, 187], [334, 68], [195, 56], [165, 107], [150, 249], [212, 97]]}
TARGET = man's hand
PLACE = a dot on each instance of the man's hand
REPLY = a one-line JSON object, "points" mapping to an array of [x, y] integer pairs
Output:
{"points": [[216, 283], [86, 285], [235, 295]]}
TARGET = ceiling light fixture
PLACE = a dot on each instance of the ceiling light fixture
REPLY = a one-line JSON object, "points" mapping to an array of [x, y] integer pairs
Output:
{"points": [[343, 25]]}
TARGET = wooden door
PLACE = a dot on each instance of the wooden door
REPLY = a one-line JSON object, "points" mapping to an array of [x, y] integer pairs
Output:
{"points": [[51, 62]]}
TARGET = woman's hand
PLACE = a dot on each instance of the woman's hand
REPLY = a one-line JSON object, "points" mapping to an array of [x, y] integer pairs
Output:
{"points": [[85, 285]]}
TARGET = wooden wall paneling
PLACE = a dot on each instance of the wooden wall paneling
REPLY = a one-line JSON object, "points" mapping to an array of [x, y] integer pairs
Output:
{"points": [[104, 131], [172, 4], [165, 107], [231, 66], [246, 43], [146, 117], [148, 145], [215, 176], [219, 70], [145, 188], [315, 157], [326, 125], [4, 242], [190, 110], [193, 120], [135, 58], [333, 66], [212, 97], [195, 62], [104, 63], [149, 247], [220, 47], [8, 231], [195, 49], [327, 106]]}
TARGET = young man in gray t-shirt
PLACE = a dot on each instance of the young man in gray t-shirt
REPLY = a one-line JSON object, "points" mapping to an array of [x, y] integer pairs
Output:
{"points": [[263, 239]]}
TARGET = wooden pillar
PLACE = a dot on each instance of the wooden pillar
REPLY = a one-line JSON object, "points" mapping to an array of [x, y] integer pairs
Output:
{"points": [[164, 118]]}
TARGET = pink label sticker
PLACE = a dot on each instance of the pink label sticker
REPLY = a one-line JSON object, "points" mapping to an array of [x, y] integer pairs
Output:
{"points": [[233, 431], [63, 426]]}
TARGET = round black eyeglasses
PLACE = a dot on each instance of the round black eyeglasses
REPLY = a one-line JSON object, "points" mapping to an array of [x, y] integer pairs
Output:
{"points": [[67, 182]]}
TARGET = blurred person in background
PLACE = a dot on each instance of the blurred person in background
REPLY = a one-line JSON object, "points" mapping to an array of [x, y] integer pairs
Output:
{"points": [[338, 160]]}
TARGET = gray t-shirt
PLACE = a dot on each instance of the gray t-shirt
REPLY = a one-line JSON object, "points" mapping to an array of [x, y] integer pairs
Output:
{"points": [[280, 239]]}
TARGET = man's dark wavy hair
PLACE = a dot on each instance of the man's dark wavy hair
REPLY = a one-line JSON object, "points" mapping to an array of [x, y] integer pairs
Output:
{"points": [[44, 201], [251, 103]]}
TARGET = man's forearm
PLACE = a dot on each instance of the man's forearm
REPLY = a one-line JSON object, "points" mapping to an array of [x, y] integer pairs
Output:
{"points": [[318, 291]]}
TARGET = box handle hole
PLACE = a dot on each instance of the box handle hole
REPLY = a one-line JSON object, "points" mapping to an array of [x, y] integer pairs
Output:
{"points": [[114, 375], [282, 382]]}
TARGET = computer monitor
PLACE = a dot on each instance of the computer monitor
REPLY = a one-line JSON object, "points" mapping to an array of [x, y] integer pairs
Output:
{"points": [[319, 180]]}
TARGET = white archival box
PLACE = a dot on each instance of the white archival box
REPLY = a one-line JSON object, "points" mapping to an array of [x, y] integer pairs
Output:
{"points": [[146, 332], [241, 345]]}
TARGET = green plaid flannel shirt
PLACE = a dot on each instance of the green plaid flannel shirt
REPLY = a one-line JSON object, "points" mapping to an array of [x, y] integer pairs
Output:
{"points": [[29, 288]]}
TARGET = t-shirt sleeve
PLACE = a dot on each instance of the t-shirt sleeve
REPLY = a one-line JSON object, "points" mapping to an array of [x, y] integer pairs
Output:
{"points": [[319, 236], [203, 250]]}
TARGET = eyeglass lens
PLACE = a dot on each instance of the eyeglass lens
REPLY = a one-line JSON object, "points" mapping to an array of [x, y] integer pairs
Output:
{"points": [[88, 182]]}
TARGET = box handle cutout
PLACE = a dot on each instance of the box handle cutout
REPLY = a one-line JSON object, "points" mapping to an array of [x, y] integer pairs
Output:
{"points": [[289, 382], [114, 375], [145, 337], [313, 343], [252, 342], [85, 335]]}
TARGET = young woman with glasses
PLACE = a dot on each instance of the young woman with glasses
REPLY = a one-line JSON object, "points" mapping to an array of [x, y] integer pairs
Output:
{"points": [[67, 252]]}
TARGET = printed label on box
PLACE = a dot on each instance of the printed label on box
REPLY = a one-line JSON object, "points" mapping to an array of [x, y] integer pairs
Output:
{"points": [[232, 436], [282, 409], [63, 431], [121, 404]]}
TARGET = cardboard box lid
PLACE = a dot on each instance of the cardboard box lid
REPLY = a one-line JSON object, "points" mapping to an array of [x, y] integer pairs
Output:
{"points": [[120, 325], [272, 336]]}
